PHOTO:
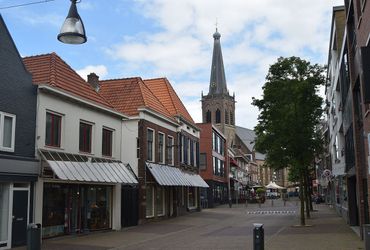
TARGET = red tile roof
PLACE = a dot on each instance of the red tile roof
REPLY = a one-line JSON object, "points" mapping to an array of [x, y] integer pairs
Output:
{"points": [[164, 91], [129, 94], [52, 70]]}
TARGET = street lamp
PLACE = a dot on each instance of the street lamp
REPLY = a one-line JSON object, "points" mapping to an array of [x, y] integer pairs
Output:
{"points": [[73, 30]]}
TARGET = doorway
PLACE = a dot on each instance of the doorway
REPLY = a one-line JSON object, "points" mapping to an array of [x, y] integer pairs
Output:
{"points": [[20, 216]]}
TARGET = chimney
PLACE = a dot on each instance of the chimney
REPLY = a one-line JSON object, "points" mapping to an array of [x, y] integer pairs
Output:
{"points": [[93, 80]]}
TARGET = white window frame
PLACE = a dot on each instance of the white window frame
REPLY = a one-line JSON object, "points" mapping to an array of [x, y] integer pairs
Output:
{"points": [[163, 148], [172, 149], [153, 145], [12, 144]]}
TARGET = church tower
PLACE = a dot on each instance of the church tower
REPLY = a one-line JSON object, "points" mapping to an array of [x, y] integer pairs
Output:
{"points": [[218, 107]]}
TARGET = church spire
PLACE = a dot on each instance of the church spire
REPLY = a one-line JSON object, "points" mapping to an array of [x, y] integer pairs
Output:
{"points": [[217, 83]]}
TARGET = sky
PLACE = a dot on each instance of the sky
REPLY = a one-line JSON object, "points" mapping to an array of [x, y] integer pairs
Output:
{"points": [[173, 39]]}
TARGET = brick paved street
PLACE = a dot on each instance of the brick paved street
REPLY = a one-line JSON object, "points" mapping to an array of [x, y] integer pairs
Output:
{"points": [[225, 228]]}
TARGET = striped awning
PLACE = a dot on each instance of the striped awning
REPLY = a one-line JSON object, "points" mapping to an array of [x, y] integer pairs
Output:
{"points": [[74, 167], [171, 176]]}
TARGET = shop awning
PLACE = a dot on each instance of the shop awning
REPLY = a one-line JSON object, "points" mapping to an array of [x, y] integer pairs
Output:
{"points": [[171, 176], [74, 167]]}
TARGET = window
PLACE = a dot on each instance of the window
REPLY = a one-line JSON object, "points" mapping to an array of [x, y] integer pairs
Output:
{"points": [[191, 153], [226, 117], [208, 117], [218, 116], [53, 129], [195, 156], [188, 149], [170, 148], [85, 137], [138, 147], [149, 200], [231, 118], [7, 132], [150, 142], [160, 201], [185, 149], [4, 212], [107, 140], [216, 167], [161, 148], [203, 161], [192, 197]]}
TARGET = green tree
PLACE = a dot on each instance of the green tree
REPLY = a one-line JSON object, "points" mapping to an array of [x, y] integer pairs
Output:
{"points": [[290, 110]]}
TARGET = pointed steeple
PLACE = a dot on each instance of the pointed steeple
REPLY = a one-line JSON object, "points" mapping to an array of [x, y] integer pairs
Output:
{"points": [[217, 83]]}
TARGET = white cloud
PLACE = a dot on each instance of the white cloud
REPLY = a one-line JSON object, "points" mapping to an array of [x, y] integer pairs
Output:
{"points": [[254, 34], [100, 70]]}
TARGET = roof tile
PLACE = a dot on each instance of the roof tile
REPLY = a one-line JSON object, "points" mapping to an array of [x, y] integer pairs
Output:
{"points": [[52, 70], [129, 94], [164, 91]]}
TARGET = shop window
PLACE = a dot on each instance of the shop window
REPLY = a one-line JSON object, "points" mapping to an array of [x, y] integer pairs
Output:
{"points": [[53, 129], [4, 213], [170, 149], [192, 197], [150, 142], [149, 201], [161, 148], [69, 208], [98, 215], [85, 137], [160, 201], [107, 141]]}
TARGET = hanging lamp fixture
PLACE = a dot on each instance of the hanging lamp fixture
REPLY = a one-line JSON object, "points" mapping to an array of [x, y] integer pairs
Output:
{"points": [[73, 30]]}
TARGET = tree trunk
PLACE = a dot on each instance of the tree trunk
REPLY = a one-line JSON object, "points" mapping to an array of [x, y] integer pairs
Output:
{"points": [[301, 197], [306, 194]]}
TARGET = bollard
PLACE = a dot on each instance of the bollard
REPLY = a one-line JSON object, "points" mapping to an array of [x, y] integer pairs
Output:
{"points": [[258, 237]]}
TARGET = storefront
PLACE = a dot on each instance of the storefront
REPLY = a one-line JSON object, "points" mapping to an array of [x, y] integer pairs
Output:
{"points": [[16, 200], [171, 191], [84, 195], [76, 208]]}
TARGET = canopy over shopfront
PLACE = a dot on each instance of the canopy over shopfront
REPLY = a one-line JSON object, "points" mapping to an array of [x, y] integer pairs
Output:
{"points": [[273, 185], [171, 176], [75, 167]]}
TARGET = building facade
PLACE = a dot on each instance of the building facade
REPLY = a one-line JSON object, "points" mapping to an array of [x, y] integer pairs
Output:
{"points": [[214, 159], [167, 145], [18, 166], [78, 138], [335, 183]]}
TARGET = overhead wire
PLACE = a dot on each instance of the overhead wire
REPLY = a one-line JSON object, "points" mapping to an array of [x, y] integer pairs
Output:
{"points": [[24, 4]]}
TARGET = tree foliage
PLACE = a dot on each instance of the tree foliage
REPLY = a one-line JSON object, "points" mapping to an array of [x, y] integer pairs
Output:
{"points": [[290, 111]]}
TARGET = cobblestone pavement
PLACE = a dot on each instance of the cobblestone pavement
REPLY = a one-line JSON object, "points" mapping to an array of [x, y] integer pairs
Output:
{"points": [[226, 228]]}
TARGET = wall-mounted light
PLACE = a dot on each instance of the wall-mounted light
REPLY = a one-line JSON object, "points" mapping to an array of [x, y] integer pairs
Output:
{"points": [[73, 30]]}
